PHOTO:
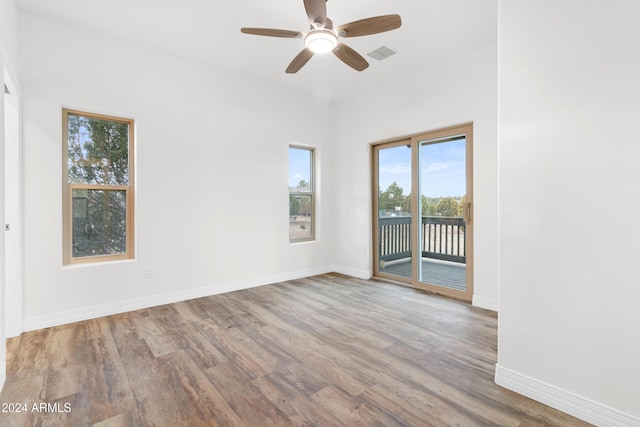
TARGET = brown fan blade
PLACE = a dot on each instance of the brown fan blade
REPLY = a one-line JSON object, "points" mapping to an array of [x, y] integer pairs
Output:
{"points": [[350, 57], [270, 32], [365, 27], [299, 61], [316, 11]]}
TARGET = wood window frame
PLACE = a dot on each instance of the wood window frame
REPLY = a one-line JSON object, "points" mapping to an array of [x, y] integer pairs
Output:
{"points": [[68, 188], [311, 193]]}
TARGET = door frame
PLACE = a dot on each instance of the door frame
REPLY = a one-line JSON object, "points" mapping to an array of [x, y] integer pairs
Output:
{"points": [[414, 141], [375, 217], [13, 206]]}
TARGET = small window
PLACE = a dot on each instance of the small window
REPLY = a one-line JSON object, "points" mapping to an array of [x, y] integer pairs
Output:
{"points": [[97, 187], [301, 194]]}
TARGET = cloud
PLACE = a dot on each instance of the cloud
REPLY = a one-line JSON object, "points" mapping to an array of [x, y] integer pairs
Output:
{"points": [[397, 169], [434, 167]]}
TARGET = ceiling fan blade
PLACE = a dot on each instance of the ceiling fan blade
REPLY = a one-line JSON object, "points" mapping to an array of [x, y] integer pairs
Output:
{"points": [[350, 57], [365, 27], [316, 11], [299, 61], [271, 32]]}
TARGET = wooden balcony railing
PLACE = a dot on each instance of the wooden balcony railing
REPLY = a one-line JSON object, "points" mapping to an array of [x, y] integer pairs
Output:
{"points": [[442, 238], [394, 235]]}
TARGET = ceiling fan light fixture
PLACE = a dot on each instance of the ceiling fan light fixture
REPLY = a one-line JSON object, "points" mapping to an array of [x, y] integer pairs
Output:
{"points": [[321, 40]]}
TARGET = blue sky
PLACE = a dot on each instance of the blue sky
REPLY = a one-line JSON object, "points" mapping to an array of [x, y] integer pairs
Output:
{"points": [[442, 168], [299, 166]]}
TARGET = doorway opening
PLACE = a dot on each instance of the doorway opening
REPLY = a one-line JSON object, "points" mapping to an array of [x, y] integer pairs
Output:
{"points": [[422, 210]]}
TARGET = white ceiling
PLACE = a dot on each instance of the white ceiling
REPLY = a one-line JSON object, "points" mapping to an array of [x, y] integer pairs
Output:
{"points": [[209, 31]]}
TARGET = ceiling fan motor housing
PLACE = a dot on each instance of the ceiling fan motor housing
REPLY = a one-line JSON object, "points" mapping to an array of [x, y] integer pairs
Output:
{"points": [[321, 40]]}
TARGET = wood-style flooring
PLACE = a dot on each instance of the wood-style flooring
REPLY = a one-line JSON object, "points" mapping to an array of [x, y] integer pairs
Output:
{"points": [[323, 351]]}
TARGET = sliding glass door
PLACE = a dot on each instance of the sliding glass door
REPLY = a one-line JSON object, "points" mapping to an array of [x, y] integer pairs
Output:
{"points": [[443, 206], [392, 202], [427, 177]]}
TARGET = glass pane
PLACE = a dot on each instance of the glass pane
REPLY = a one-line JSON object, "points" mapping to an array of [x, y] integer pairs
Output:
{"points": [[300, 217], [99, 222], [300, 170], [394, 211], [442, 203], [98, 151]]}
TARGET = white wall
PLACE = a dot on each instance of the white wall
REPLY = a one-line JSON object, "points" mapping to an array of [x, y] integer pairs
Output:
{"points": [[459, 90], [569, 233], [212, 159], [8, 60]]}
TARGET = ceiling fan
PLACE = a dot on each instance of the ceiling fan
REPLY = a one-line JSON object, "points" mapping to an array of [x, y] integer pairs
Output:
{"points": [[324, 38]]}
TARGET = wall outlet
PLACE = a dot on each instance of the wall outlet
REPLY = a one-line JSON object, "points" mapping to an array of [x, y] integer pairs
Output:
{"points": [[148, 273]]}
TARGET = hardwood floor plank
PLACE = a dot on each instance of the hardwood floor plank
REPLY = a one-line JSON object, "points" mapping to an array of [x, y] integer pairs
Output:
{"points": [[223, 314], [243, 317], [64, 381], [198, 399], [302, 350], [328, 350], [154, 334], [283, 389], [291, 291], [191, 311], [107, 381], [193, 339], [122, 420], [30, 356], [246, 356], [155, 401], [245, 398], [417, 406], [351, 410]]}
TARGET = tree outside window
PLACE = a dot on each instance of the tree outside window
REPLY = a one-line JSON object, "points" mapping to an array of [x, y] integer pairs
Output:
{"points": [[301, 194], [98, 190]]}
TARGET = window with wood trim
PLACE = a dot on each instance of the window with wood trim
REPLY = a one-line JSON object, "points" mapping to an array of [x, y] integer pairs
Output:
{"points": [[301, 194], [97, 187]]}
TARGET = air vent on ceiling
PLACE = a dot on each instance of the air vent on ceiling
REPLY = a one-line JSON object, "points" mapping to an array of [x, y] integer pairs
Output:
{"points": [[383, 52]]}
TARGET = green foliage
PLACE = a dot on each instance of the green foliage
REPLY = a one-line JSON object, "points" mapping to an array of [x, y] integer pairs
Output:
{"points": [[99, 223], [299, 205], [448, 206], [98, 155], [461, 206], [428, 206], [394, 197], [294, 205], [98, 151], [406, 203], [391, 198]]}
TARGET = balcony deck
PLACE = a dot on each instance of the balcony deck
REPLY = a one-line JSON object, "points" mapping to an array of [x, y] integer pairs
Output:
{"points": [[450, 275]]}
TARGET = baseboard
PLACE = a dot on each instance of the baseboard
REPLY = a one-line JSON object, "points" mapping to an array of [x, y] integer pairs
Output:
{"points": [[3, 366], [77, 315], [563, 400], [486, 303], [353, 272]]}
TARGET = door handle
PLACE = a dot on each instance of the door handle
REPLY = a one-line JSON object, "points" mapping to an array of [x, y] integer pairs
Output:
{"points": [[467, 212]]}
